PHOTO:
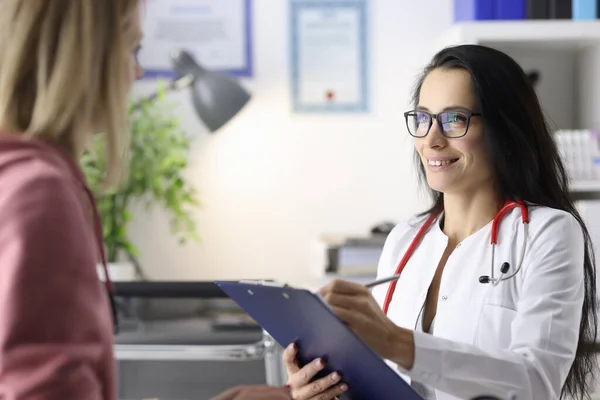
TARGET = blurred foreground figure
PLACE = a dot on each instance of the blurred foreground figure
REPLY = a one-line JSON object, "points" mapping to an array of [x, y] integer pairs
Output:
{"points": [[65, 74]]}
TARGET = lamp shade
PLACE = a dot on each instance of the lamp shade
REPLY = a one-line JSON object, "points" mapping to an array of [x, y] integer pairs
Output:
{"points": [[216, 96]]}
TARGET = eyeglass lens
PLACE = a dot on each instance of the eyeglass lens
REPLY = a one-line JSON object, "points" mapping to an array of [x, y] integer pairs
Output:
{"points": [[453, 123]]}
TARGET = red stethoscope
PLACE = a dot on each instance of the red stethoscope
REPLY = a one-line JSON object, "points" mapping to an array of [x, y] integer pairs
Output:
{"points": [[508, 205]]}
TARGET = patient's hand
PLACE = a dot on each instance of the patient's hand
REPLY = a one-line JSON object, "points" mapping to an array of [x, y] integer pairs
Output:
{"points": [[256, 392]]}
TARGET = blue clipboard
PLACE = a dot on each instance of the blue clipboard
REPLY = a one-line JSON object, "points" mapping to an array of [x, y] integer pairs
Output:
{"points": [[297, 315]]}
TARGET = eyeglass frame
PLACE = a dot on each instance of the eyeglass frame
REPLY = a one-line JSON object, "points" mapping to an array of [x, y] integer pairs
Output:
{"points": [[436, 117]]}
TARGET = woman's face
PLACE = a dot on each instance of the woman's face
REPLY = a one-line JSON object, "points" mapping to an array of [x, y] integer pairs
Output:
{"points": [[452, 164]]}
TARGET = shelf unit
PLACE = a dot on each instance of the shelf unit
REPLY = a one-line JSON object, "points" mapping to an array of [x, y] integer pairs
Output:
{"points": [[566, 53], [590, 186], [557, 34]]}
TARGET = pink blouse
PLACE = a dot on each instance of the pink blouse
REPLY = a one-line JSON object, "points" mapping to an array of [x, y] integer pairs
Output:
{"points": [[56, 332]]}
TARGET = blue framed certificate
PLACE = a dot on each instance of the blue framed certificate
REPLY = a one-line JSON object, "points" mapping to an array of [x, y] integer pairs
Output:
{"points": [[218, 33], [329, 56]]}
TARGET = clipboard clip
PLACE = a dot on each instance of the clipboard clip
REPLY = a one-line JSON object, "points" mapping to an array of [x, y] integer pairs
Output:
{"points": [[263, 282]]}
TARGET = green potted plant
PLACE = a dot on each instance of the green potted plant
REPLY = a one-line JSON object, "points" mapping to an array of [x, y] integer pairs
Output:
{"points": [[157, 158]]}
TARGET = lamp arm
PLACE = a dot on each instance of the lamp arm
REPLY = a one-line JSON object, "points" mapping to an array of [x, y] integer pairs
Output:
{"points": [[175, 85]]}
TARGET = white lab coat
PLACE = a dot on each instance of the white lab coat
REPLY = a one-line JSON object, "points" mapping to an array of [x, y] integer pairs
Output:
{"points": [[518, 338]]}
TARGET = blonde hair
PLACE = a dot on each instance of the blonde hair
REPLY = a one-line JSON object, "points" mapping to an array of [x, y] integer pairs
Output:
{"points": [[62, 72]]}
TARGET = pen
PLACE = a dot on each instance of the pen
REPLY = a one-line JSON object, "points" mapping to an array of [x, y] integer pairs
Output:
{"points": [[382, 280]]}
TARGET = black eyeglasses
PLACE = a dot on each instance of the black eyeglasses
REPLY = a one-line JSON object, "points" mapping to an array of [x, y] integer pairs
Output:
{"points": [[453, 123]]}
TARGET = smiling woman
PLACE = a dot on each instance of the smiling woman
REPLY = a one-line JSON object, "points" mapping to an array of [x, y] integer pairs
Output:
{"points": [[500, 193]]}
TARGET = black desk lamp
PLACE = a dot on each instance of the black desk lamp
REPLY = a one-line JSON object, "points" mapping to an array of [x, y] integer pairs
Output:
{"points": [[216, 97]]}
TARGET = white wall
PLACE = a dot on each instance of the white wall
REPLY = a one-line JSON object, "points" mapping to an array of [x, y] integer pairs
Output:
{"points": [[272, 181]]}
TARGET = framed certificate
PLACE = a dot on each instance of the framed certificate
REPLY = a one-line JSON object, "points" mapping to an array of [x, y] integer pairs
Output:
{"points": [[329, 53], [216, 32]]}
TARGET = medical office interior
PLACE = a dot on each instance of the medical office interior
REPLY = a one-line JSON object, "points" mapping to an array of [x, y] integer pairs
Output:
{"points": [[300, 181]]}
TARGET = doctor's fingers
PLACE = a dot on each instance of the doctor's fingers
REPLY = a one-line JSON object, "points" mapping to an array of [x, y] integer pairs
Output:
{"points": [[339, 286], [304, 375], [289, 359], [326, 388], [349, 302], [330, 394]]}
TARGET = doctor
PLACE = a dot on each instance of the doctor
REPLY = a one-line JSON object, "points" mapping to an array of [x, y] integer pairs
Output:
{"points": [[449, 326]]}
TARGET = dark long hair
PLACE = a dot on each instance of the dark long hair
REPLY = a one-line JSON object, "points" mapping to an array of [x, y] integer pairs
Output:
{"points": [[520, 144]]}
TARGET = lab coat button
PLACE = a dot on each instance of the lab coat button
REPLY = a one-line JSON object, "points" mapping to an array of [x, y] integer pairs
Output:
{"points": [[444, 298]]}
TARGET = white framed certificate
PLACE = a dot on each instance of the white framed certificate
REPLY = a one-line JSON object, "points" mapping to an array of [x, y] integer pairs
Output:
{"points": [[329, 56], [216, 32]]}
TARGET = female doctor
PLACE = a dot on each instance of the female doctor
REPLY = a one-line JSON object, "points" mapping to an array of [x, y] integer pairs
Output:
{"points": [[468, 318]]}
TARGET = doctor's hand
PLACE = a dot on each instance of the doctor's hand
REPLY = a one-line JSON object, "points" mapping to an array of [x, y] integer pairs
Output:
{"points": [[300, 379], [354, 304]]}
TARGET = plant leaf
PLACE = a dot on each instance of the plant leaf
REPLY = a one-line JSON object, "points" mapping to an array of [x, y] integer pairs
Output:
{"points": [[158, 157]]}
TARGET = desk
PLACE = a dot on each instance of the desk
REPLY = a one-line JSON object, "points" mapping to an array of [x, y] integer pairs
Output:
{"points": [[169, 346], [196, 371]]}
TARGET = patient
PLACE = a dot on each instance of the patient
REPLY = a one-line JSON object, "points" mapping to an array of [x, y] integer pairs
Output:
{"points": [[66, 71]]}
